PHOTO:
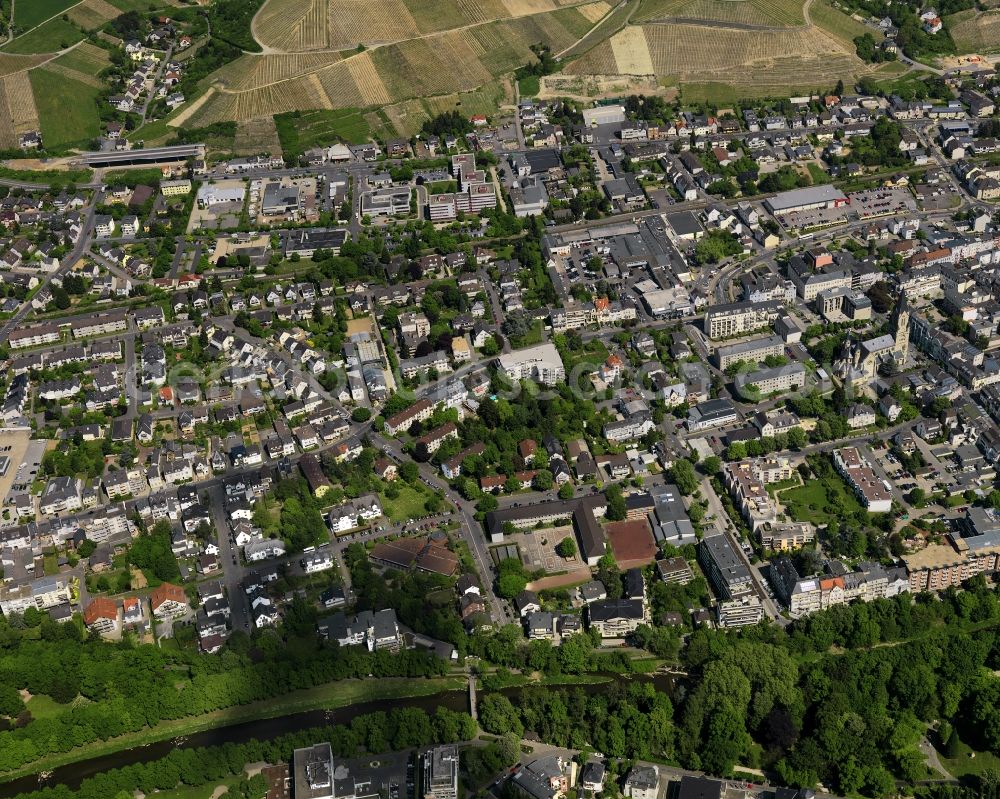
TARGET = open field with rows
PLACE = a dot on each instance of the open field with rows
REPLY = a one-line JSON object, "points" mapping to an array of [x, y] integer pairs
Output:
{"points": [[83, 63], [391, 23], [841, 26], [758, 13], [437, 65], [726, 62], [255, 136], [10, 64], [92, 14], [29, 13], [975, 32], [302, 25], [67, 109], [18, 113], [56, 34], [53, 95], [698, 52], [250, 71]]}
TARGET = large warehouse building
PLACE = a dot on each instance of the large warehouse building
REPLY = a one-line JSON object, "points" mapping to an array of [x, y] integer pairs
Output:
{"points": [[603, 115], [806, 199]]}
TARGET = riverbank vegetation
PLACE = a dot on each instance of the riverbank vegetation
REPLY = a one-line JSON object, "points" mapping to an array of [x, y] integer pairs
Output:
{"points": [[843, 697], [329, 696], [403, 728], [107, 691]]}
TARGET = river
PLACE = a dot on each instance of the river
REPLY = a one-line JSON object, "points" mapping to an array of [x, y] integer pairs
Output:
{"points": [[73, 774]]}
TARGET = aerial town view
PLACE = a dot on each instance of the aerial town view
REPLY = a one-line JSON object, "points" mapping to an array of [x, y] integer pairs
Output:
{"points": [[499, 399]]}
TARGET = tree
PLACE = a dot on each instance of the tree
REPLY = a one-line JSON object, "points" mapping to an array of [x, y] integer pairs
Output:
{"points": [[499, 716], [409, 471], [361, 414], [566, 491], [736, 451], [617, 510], [566, 548], [917, 497], [543, 480], [11, 702], [60, 297], [711, 465], [797, 438], [511, 578], [682, 474]]}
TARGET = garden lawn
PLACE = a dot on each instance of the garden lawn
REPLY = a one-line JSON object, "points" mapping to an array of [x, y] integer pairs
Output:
{"points": [[42, 706], [969, 761], [819, 501], [408, 505]]}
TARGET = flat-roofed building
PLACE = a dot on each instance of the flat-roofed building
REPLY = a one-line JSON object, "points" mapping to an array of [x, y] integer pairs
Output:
{"points": [[440, 777], [753, 351], [313, 772], [862, 478], [724, 567], [736, 319], [541, 363], [807, 199]]}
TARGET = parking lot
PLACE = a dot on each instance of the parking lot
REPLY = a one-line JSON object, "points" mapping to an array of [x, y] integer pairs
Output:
{"points": [[866, 204]]}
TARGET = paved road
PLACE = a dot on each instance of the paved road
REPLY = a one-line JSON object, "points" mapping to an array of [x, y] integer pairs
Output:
{"points": [[716, 508], [233, 571]]}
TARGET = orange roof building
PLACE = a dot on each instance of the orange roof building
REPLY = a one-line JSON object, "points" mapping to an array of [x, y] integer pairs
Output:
{"points": [[168, 599], [101, 614]]}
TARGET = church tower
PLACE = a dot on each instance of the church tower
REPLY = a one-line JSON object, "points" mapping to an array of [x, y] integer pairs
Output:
{"points": [[901, 327]]}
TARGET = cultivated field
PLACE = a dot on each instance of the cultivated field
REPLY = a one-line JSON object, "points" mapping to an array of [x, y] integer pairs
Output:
{"points": [[975, 32], [10, 64], [29, 13], [83, 63], [436, 65], [739, 57], [92, 14], [755, 13], [839, 25], [257, 136], [67, 108], [303, 25], [407, 118], [48, 37], [18, 112], [250, 71]]}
